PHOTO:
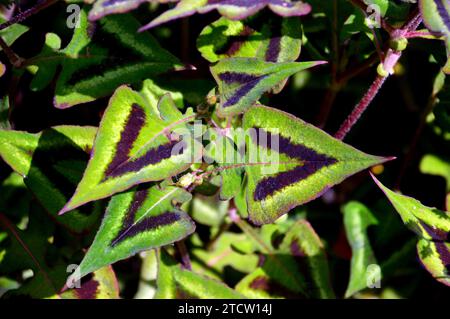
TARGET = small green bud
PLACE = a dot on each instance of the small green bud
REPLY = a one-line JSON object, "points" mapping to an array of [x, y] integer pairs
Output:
{"points": [[381, 71], [398, 44]]}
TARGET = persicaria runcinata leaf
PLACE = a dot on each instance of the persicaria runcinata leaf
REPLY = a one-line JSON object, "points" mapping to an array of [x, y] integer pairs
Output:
{"points": [[308, 162], [432, 227], [135, 144], [142, 218], [232, 9], [242, 81], [98, 60]]}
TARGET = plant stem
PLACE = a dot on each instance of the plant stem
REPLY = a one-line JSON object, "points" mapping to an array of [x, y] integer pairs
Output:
{"points": [[27, 13], [13, 58], [185, 259], [360, 107], [390, 60]]}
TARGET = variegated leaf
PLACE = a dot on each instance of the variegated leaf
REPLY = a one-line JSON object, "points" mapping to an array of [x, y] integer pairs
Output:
{"points": [[52, 163], [232, 9], [142, 218], [302, 242], [102, 8], [274, 40], [292, 162], [433, 228], [136, 143], [175, 282], [103, 285], [98, 60], [242, 81]]}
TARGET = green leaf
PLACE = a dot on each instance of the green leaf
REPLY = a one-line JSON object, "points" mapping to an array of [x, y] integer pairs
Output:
{"points": [[433, 228], [235, 10], [273, 40], [95, 64], [301, 165], [102, 8], [435, 15], [224, 254], [134, 145], [434, 165], [12, 33], [302, 242], [139, 219], [103, 285], [357, 219], [52, 163], [242, 81], [175, 282]]}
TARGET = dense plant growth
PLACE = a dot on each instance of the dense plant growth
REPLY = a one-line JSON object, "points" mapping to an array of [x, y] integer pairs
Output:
{"points": [[195, 148]]}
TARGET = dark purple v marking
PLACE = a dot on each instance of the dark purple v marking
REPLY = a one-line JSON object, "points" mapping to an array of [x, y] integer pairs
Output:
{"points": [[443, 13], [129, 230], [121, 163], [133, 125], [249, 81], [311, 162]]}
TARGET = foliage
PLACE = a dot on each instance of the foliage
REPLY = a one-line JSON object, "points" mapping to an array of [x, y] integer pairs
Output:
{"points": [[186, 144]]}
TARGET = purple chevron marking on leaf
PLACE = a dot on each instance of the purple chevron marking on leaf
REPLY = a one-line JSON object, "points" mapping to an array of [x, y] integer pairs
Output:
{"points": [[152, 157], [436, 234], [444, 254], [249, 81], [133, 126], [235, 77], [88, 290], [251, 3], [310, 163], [130, 229], [113, 2], [443, 13]]}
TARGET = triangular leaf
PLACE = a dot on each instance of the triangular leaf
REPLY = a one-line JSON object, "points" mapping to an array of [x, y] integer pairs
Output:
{"points": [[293, 162], [133, 145], [433, 228], [139, 219], [96, 62], [175, 282], [274, 40], [232, 9], [242, 81]]}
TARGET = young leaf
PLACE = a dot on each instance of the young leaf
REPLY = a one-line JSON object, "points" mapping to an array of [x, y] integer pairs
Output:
{"points": [[102, 8], [12, 33], [242, 81], [139, 219], [357, 218], [309, 162], [273, 40], [52, 163], [176, 283], [232, 9], [433, 228], [103, 285], [304, 244], [96, 62], [134, 145]]}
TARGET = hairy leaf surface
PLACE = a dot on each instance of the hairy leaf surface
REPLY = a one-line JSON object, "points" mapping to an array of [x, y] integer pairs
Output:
{"points": [[308, 162]]}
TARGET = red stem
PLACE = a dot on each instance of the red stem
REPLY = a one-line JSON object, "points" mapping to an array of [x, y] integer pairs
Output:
{"points": [[360, 108], [27, 13]]}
